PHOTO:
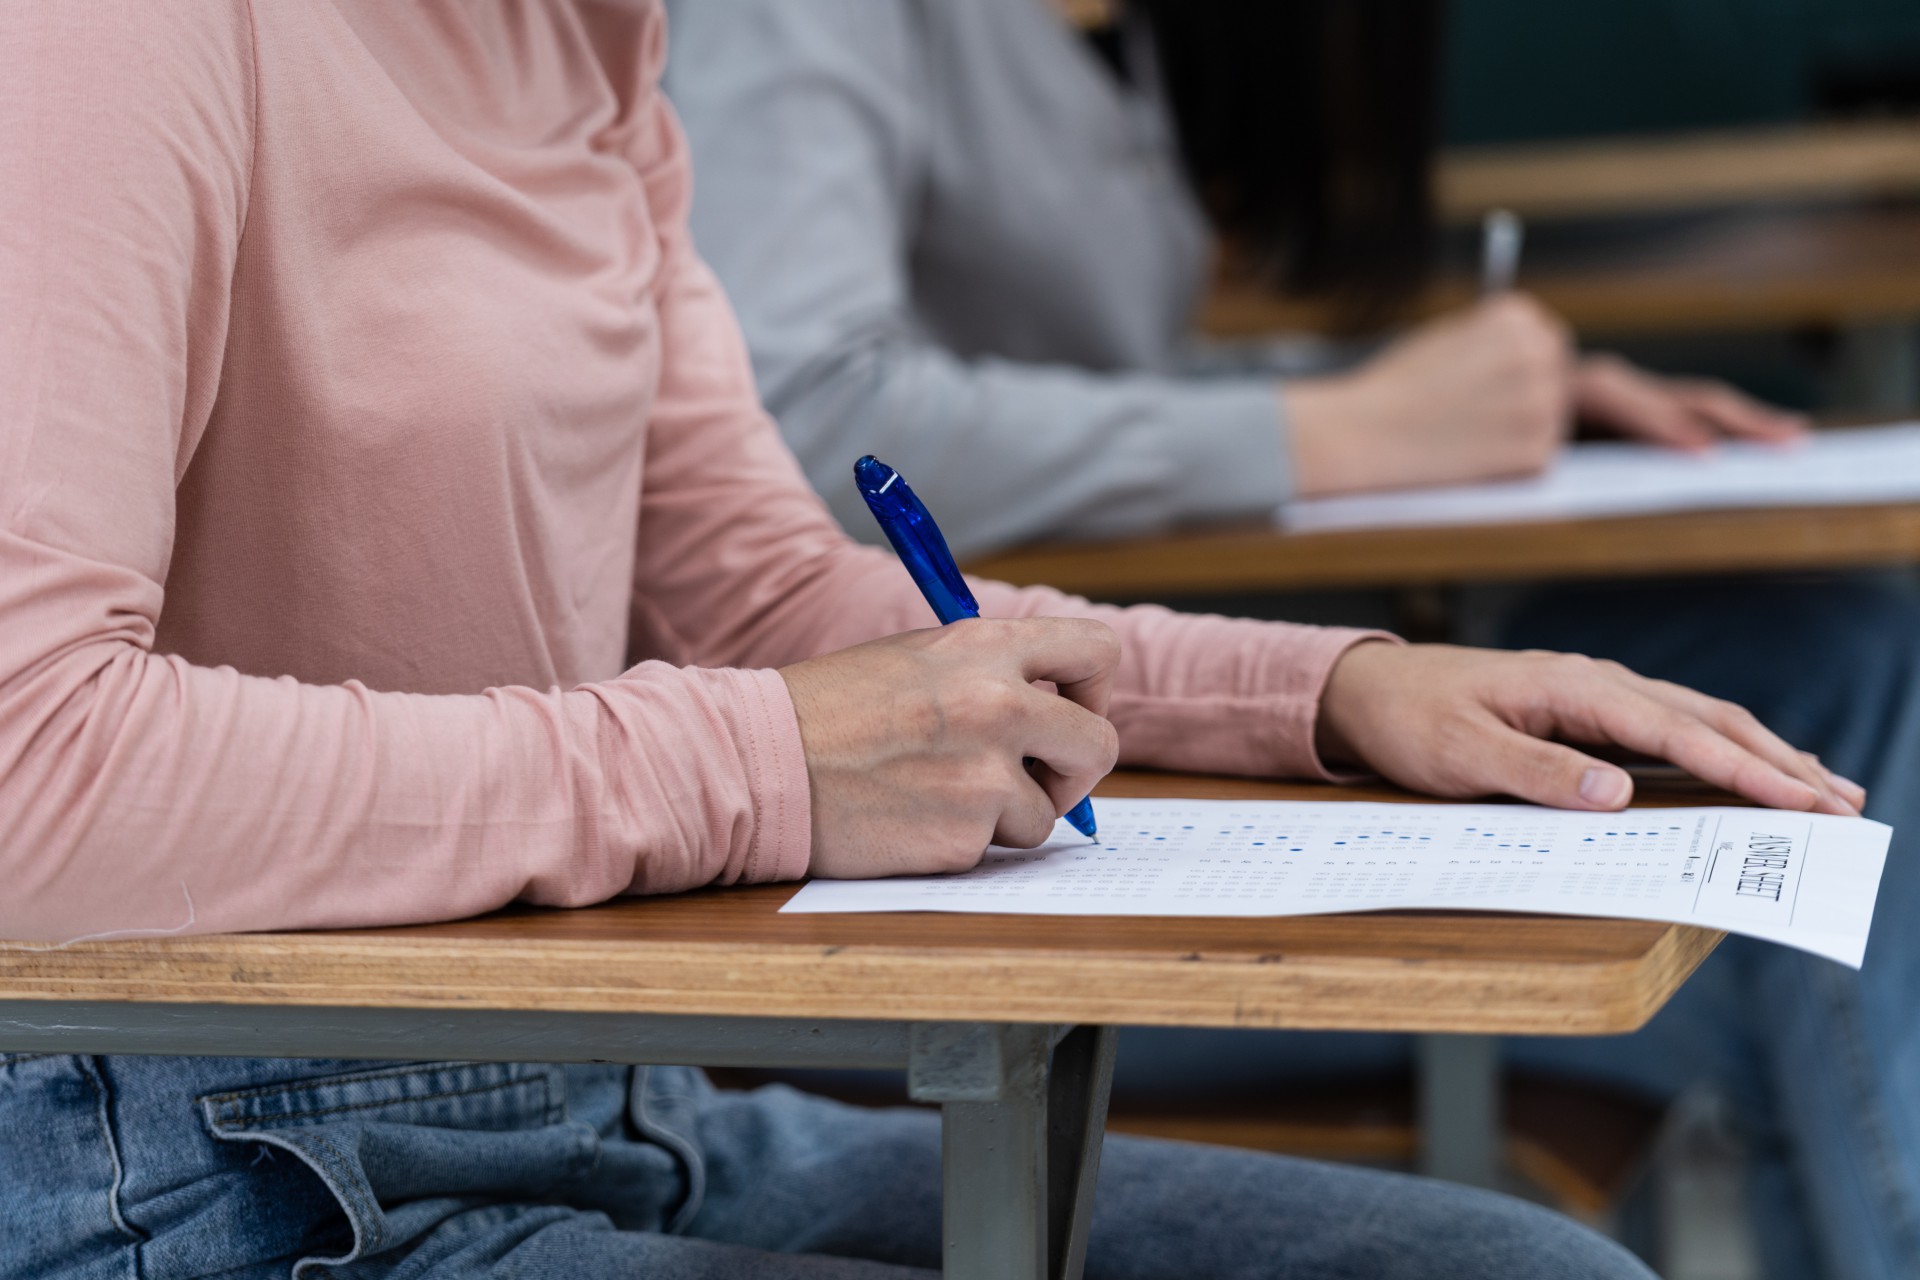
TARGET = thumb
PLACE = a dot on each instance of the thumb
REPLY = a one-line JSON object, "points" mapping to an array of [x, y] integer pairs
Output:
{"points": [[1550, 773]]}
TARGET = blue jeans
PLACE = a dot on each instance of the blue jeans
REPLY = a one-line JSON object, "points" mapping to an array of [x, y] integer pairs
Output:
{"points": [[169, 1168], [1821, 1063]]}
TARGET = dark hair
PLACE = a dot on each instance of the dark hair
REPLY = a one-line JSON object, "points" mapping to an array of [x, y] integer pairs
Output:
{"points": [[1308, 129]]}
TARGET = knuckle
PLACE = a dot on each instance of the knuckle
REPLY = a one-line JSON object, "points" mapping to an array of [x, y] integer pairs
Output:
{"points": [[1514, 310], [962, 634], [1544, 767], [1101, 641], [1026, 826], [985, 706], [984, 783], [962, 856], [1456, 735], [1575, 666]]}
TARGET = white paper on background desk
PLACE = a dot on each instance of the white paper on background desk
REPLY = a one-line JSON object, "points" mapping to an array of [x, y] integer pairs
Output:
{"points": [[1608, 478], [1806, 880]]}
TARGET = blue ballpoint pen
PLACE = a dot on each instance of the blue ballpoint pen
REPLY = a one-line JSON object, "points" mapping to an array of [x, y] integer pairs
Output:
{"points": [[924, 552]]}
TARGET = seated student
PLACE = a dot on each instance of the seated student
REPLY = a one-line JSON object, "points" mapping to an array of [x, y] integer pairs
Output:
{"points": [[954, 234], [965, 237], [389, 531]]}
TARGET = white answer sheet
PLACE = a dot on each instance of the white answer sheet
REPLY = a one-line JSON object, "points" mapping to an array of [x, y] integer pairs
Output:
{"points": [[1608, 478], [1805, 880]]}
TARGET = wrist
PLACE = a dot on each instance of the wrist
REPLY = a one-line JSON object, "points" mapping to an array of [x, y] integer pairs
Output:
{"points": [[1335, 725], [1327, 420]]}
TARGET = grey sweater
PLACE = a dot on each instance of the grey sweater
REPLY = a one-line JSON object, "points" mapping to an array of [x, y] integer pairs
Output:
{"points": [[955, 240]]}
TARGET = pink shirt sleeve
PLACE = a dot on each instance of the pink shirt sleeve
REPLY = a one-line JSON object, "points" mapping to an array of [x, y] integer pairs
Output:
{"points": [[141, 793]]}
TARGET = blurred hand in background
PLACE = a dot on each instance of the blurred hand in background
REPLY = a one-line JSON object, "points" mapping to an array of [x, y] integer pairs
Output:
{"points": [[1493, 391]]}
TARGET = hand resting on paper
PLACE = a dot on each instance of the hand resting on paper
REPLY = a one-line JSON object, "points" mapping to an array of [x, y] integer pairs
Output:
{"points": [[1682, 413], [1469, 722], [1492, 391]]}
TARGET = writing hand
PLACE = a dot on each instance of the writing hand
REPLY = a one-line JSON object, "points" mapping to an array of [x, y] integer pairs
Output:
{"points": [[1472, 722], [916, 744], [1476, 395]]}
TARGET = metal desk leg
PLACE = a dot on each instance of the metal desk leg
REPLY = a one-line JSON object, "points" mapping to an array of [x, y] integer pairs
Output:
{"points": [[1076, 1131], [1460, 1108], [1020, 1142]]}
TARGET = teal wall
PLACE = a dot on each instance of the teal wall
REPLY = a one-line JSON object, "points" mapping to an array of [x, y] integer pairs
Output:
{"points": [[1519, 69]]}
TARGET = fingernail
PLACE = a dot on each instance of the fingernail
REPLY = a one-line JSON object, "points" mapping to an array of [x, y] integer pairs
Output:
{"points": [[1607, 788], [1847, 788]]}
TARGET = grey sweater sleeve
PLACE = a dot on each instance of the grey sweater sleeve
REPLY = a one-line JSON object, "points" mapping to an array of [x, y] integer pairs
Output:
{"points": [[809, 135]]}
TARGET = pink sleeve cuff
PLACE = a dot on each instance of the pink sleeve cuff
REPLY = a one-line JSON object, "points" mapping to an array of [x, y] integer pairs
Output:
{"points": [[1299, 679], [782, 840], [706, 782]]}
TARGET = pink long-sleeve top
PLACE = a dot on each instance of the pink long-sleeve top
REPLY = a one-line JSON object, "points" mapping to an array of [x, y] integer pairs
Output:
{"points": [[365, 413]]}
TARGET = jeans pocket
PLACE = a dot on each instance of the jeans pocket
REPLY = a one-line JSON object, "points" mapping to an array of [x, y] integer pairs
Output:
{"points": [[60, 1171], [402, 1149]]}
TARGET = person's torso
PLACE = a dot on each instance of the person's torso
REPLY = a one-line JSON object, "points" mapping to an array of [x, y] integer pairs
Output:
{"points": [[1055, 224], [422, 468]]}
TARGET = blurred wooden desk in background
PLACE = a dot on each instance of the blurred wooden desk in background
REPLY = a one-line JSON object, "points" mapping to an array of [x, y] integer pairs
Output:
{"points": [[1739, 270], [1586, 178], [1260, 557], [1804, 228]]}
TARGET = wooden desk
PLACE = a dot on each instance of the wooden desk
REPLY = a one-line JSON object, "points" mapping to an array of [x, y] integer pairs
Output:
{"points": [[1756, 269], [999, 1019], [1627, 175], [1259, 557]]}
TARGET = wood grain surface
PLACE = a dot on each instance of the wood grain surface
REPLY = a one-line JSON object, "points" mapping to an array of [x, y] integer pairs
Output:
{"points": [[728, 952], [1259, 557], [1619, 175], [1758, 269]]}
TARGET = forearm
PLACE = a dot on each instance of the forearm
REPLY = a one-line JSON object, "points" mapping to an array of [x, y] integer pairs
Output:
{"points": [[141, 793]]}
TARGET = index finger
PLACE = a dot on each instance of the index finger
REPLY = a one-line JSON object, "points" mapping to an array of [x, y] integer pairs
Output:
{"points": [[1738, 415], [1630, 718], [1079, 655]]}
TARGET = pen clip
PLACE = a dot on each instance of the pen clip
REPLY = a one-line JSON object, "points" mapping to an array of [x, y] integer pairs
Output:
{"points": [[918, 540]]}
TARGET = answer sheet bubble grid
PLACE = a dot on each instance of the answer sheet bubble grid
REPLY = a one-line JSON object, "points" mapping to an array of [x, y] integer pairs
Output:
{"points": [[1738, 869]]}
